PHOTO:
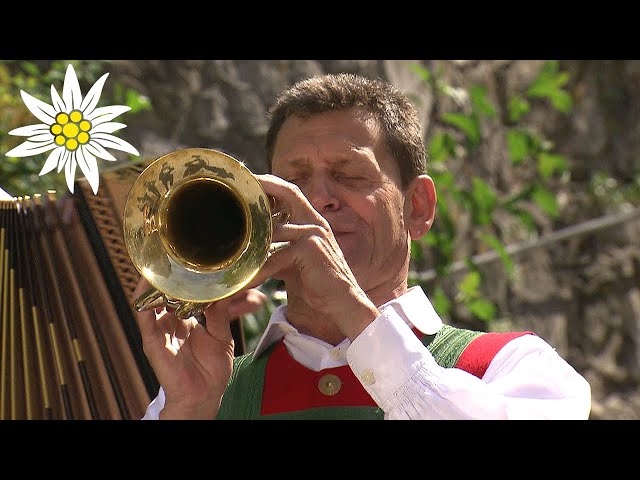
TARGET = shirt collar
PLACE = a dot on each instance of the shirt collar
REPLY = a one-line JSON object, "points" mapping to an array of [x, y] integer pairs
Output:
{"points": [[277, 327], [413, 307]]}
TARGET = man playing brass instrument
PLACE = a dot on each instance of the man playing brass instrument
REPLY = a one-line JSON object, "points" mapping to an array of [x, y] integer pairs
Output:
{"points": [[354, 341]]}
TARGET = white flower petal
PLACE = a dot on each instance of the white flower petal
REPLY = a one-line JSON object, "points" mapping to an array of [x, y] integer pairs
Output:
{"points": [[29, 130], [64, 158], [109, 141], [71, 90], [43, 111], [91, 100], [106, 114], [99, 151], [89, 167], [58, 104], [52, 160], [70, 172], [108, 127], [43, 137], [27, 149]]}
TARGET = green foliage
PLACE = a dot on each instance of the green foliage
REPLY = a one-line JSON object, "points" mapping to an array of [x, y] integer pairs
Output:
{"points": [[452, 148], [549, 85], [518, 144], [481, 105], [441, 147], [20, 176], [518, 108], [467, 123], [441, 301]]}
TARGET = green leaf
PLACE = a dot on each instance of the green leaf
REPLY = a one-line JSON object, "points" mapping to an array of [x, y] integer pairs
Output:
{"points": [[445, 183], [549, 85], [549, 163], [546, 200], [30, 68], [483, 309], [562, 101], [136, 101], [441, 302], [468, 286], [416, 251], [551, 67], [484, 200], [518, 108], [518, 145], [545, 81], [500, 248], [481, 105], [431, 240], [422, 72], [561, 79], [467, 124], [442, 145]]}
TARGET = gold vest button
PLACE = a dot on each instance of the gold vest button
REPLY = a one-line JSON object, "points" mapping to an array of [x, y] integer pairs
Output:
{"points": [[329, 384]]}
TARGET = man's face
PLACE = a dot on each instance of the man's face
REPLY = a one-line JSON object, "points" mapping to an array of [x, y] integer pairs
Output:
{"points": [[341, 165]]}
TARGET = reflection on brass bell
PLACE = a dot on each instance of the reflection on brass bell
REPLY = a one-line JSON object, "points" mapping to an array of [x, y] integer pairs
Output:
{"points": [[198, 226]]}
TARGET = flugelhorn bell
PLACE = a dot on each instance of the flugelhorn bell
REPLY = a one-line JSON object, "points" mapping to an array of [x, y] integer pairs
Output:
{"points": [[198, 226]]}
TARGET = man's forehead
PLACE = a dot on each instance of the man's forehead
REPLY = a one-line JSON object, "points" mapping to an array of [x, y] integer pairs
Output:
{"points": [[339, 141]]}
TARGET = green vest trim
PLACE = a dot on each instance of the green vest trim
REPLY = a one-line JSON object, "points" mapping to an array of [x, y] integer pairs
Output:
{"points": [[330, 413], [243, 397], [447, 345]]}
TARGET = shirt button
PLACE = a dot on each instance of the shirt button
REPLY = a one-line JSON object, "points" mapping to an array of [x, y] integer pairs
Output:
{"points": [[368, 378], [336, 354], [329, 384]]}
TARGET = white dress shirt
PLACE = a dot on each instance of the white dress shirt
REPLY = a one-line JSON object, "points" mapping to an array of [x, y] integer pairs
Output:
{"points": [[527, 379]]}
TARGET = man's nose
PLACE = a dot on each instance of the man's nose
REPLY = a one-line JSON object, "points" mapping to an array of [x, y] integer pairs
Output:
{"points": [[321, 193]]}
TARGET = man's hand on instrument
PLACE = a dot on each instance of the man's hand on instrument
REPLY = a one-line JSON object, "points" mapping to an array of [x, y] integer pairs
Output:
{"points": [[313, 265], [193, 363]]}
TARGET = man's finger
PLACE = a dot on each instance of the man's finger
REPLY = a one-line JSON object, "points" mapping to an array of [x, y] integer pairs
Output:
{"points": [[290, 198], [148, 326], [142, 286]]}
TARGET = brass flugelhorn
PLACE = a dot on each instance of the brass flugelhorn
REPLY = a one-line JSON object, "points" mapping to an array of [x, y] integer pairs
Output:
{"points": [[198, 226]]}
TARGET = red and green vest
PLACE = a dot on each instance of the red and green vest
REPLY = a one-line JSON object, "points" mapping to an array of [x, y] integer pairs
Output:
{"points": [[275, 386]]}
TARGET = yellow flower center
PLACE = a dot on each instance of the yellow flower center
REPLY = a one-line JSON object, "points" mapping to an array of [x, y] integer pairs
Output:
{"points": [[83, 137], [62, 118], [71, 130], [76, 116]]}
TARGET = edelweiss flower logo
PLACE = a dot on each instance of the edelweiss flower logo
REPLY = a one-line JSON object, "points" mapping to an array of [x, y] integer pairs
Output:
{"points": [[76, 131]]}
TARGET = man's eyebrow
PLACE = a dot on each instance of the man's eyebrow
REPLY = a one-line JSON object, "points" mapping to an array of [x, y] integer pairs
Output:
{"points": [[297, 162]]}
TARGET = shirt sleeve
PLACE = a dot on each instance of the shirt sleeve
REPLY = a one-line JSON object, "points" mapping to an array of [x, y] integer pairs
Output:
{"points": [[527, 379], [154, 408]]}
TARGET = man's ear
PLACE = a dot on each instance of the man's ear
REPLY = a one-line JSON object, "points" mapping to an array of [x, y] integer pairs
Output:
{"points": [[420, 206]]}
